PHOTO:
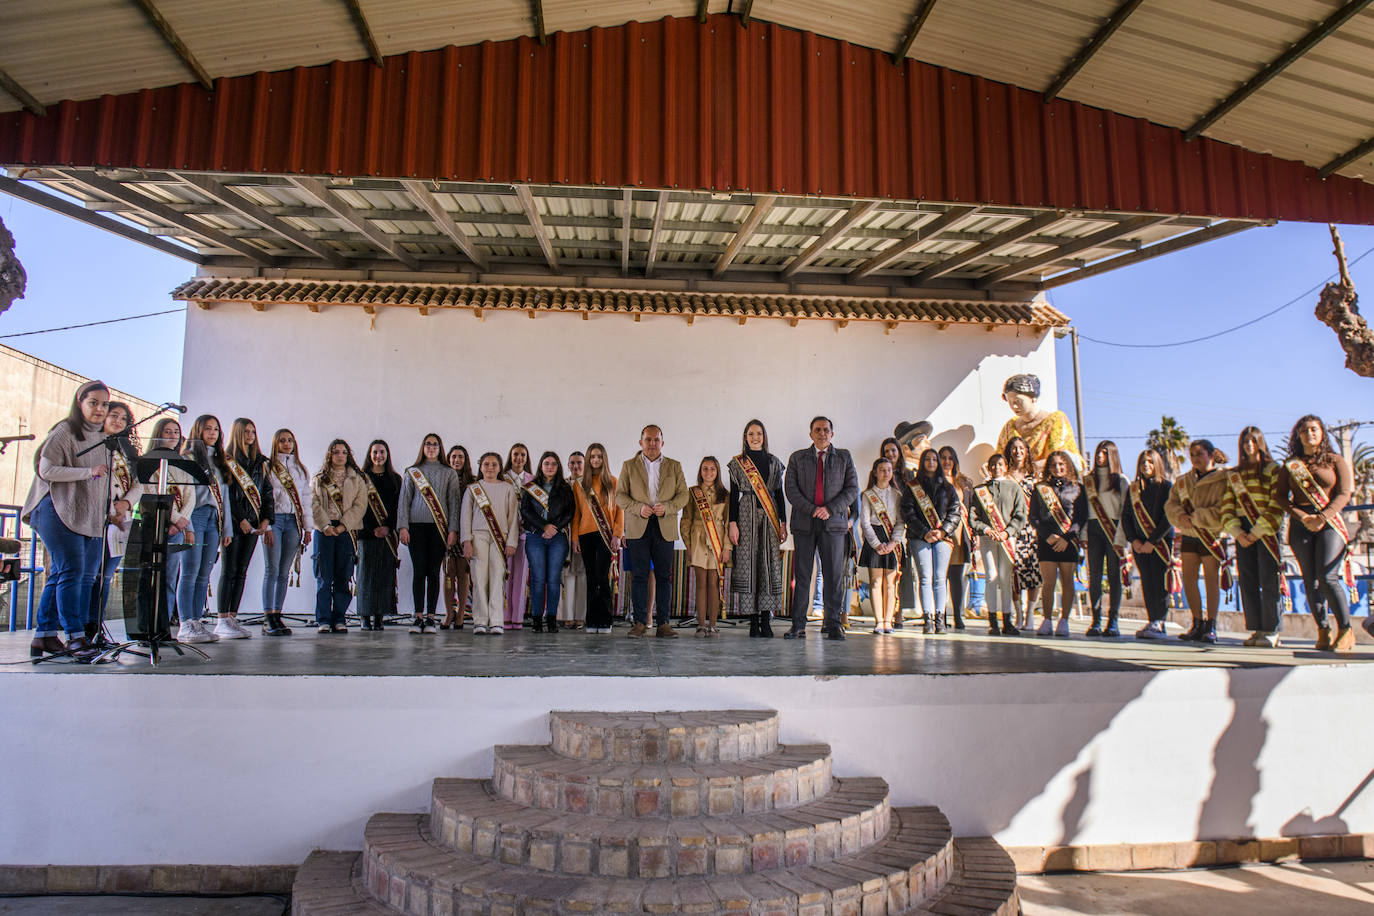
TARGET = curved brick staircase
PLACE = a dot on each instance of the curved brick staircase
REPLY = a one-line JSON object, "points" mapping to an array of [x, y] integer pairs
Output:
{"points": [[681, 812]]}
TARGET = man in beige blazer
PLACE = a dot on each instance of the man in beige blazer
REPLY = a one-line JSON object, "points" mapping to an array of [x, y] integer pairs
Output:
{"points": [[651, 491]]}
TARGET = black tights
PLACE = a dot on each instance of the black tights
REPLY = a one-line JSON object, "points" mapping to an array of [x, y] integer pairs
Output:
{"points": [[1320, 556], [1102, 554], [954, 583], [234, 571], [427, 551]]}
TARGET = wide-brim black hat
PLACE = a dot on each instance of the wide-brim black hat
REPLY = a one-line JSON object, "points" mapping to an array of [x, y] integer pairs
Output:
{"points": [[908, 430]]}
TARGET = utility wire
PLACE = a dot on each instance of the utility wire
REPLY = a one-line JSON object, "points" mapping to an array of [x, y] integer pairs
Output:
{"points": [[91, 324], [1183, 343]]}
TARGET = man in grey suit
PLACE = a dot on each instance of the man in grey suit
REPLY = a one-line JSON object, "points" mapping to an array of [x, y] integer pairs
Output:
{"points": [[821, 485]]}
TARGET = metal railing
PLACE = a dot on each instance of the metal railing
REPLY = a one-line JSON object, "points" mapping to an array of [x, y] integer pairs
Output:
{"points": [[9, 522]]}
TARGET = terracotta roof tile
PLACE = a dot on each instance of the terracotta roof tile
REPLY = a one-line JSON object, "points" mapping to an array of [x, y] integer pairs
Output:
{"points": [[619, 301]]}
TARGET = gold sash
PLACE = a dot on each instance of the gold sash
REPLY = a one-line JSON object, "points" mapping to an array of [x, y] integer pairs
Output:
{"points": [[603, 527], [121, 473], [712, 535], [926, 505], [1251, 511], [1306, 484], [1100, 514], [250, 489], [431, 499], [483, 501], [1208, 539], [284, 476], [765, 499], [1147, 524], [540, 495], [1051, 501], [989, 505], [374, 502], [336, 497]]}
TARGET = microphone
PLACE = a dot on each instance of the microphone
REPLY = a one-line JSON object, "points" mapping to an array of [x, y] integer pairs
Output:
{"points": [[179, 408], [9, 545]]}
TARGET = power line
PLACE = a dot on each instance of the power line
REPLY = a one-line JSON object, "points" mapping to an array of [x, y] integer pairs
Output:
{"points": [[1183, 343], [91, 324]]}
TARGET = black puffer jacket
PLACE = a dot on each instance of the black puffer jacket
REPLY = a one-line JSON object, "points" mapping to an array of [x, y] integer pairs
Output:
{"points": [[239, 507], [946, 501]]}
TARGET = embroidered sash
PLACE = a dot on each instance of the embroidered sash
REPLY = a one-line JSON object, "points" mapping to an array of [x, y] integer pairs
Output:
{"points": [[479, 496], [603, 527], [1056, 509], [999, 524], [1099, 513], [1251, 511], [880, 510], [288, 484], [122, 475], [927, 507], [431, 499], [250, 489], [765, 499], [712, 534], [540, 495], [1209, 540], [517, 481], [374, 502], [336, 497], [1306, 484], [1147, 524]]}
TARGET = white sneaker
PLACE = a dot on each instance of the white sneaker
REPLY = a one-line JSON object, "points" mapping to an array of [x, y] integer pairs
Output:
{"points": [[191, 631], [479, 631], [1046, 628], [494, 631], [228, 628], [1063, 628], [1152, 630], [1268, 641]]}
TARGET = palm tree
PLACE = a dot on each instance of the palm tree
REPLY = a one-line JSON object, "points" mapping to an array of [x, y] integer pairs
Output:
{"points": [[1364, 472], [1171, 441]]}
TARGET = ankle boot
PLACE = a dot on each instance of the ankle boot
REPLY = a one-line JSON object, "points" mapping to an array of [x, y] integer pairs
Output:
{"points": [[1324, 642], [1009, 628], [754, 626], [378, 622], [993, 629], [766, 626], [1112, 629], [1194, 631], [91, 630], [538, 626], [1096, 628], [46, 645]]}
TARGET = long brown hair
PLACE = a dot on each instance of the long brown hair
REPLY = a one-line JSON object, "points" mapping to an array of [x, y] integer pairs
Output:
{"points": [[76, 420], [195, 446], [296, 455], [349, 462], [157, 436], [1046, 476], [873, 472], [744, 437], [603, 477], [960, 481], [441, 458], [507, 467], [236, 448], [1113, 462], [1027, 469], [718, 492], [1161, 472], [1326, 455], [1256, 435]]}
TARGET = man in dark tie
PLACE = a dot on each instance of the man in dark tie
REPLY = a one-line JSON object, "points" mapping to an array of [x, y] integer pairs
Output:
{"points": [[821, 485]]}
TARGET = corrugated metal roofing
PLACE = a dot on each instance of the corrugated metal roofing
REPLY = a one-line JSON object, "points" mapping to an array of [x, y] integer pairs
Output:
{"points": [[209, 290]]}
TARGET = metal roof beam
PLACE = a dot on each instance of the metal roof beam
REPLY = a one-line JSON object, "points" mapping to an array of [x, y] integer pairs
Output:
{"points": [[170, 36], [626, 228], [1096, 240], [315, 189], [156, 209], [701, 9], [75, 211], [430, 204], [746, 229], [855, 213], [1277, 65], [21, 95], [355, 12], [1092, 47], [655, 233], [1001, 240], [1167, 246], [537, 224], [537, 12], [1344, 159], [924, 233], [249, 210], [918, 20]]}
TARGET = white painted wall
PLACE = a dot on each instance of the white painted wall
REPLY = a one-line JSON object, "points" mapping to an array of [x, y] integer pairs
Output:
{"points": [[260, 770], [559, 382]]}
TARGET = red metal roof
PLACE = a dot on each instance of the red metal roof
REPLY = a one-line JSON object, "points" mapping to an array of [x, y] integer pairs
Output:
{"points": [[675, 103]]}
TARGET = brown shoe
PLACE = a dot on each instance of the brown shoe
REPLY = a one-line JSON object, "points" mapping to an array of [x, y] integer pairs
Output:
{"points": [[665, 631], [1323, 639], [1345, 640], [637, 631]]}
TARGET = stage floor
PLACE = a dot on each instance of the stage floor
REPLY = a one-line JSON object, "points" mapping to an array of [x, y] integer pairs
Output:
{"points": [[394, 652]]}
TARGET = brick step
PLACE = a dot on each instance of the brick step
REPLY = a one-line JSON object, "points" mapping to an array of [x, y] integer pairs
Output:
{"points": [[404, 866], [330, 884], [466, 815], [665, 737], [982, 883], [536, 776]]}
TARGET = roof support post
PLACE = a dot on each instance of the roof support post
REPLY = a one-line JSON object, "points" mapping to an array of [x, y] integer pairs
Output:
{"points": [[918, 21], [1277, 66], [430, 204], [249, 210], [1092, 47], [1073, 247], [541, 234], [1000, 240], [1216, 231], [750, 225], [923, 233], [315, 189], [170, 36], [838, 228]]}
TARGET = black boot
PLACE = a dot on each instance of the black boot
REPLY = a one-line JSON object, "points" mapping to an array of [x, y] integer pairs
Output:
{"points": [[378, 622], [1096, 628], [1194, 631], [553, 625], [1009, 628], [1112, 630], [927, 625], [755, 630], [766, 626], [993, 629], [91, 630], [538, 625], [272, 625]]}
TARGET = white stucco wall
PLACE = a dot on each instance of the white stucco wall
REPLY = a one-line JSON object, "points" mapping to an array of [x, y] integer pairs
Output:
{"points": [[559, 382], [260, 770]]}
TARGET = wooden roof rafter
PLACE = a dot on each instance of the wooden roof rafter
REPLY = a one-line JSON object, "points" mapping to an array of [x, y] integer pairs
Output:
{"points": [[1079, 60], [364, 30], [21, 95], [173, 40]]}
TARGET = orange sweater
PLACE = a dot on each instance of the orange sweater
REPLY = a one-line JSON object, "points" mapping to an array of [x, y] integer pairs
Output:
{"points": [[583, 520]]}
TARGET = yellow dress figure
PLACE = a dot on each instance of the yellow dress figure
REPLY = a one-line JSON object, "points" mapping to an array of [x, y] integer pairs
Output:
{"points": [[1045, 431]]}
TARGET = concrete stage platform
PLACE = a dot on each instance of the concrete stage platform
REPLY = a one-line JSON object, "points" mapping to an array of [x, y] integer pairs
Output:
{"points": [[276, 747]]}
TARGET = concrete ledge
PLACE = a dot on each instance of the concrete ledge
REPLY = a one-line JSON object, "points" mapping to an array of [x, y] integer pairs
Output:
{"points": [[1036, 860], [146, 879]]}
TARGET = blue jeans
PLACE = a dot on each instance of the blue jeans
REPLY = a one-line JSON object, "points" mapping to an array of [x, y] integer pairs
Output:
{"points": [[932, 561], [100, 590], [75, 558], [546, 572], [333, 560], [193, 566], [278, 560]]}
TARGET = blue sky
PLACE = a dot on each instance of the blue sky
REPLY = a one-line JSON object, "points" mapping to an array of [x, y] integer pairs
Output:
{"points": [[1267, 374]]}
